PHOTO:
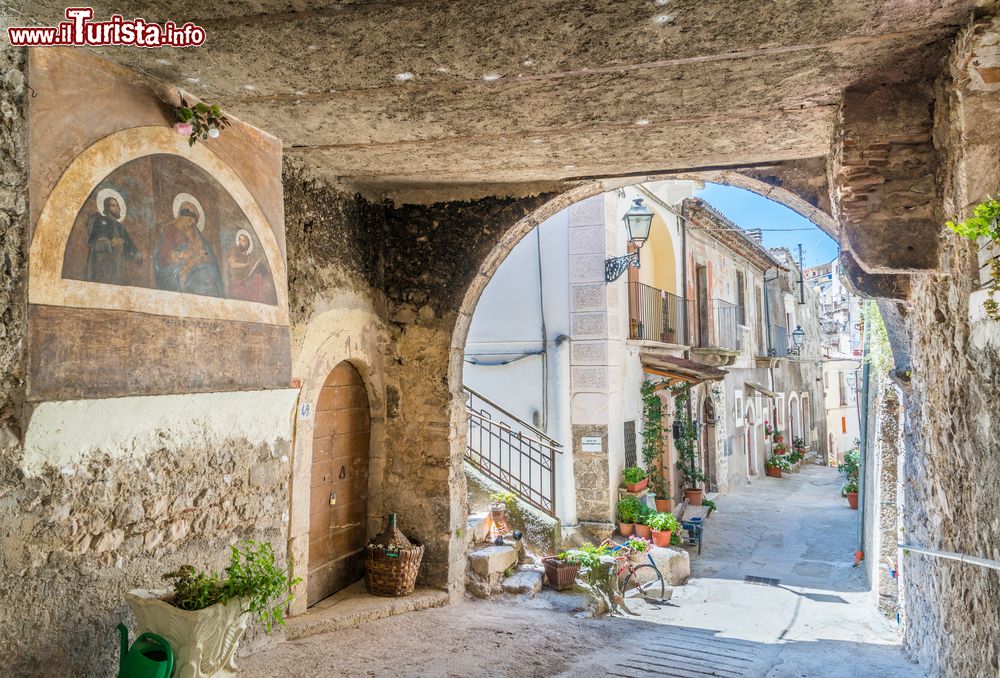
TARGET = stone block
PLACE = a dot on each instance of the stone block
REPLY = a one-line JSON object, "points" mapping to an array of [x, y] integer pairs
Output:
{"points": [[587, 240], [478, 526], [589, 353], [593, 379], [587, 212], [523, 582], [588, 297], [586, 268], [588, 325], [492, 560], [674, 563]]}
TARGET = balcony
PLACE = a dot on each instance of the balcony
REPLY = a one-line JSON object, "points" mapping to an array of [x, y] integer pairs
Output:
{"points": [[718, 339], [655, 315], [775, 348]]}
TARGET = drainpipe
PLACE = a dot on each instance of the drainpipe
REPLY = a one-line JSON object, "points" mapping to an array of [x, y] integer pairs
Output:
{"points": [[863, 448], [684, 278], [545, 343], [951, 555]]}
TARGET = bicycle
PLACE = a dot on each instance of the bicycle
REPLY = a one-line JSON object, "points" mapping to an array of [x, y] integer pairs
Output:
{"points": [[637, 572]]}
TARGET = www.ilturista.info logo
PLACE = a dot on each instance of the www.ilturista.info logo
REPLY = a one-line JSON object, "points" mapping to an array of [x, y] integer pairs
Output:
{"points": [[80, 31]]}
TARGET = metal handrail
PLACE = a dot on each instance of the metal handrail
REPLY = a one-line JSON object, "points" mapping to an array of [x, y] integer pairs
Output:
{"points": [[513, 453], [657, 315], [521, 422]]}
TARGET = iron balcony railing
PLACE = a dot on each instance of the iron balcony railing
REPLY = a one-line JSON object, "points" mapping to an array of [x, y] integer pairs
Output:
{"points": [[656, 315], [719, 326], [511, 452]]}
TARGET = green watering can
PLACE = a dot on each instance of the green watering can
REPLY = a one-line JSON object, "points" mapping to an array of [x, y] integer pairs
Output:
{"points": [[149, 657]]}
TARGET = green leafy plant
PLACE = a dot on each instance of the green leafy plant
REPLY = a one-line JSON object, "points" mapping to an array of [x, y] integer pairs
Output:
{"points": [[676, 539], [710, 504], [199, 121], [251, 576], [661, 522], [633, 474], [505, 498], [628, 509], [652, 438], [984, 223], [851, 467], [686, 442], [587, 555], [851, 486]]}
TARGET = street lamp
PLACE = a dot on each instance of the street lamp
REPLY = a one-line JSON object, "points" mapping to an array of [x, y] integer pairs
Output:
{"points": [[798, 336], [638, 220]]}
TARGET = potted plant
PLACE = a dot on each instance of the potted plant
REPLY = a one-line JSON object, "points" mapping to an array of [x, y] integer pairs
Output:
{"points": [[662, 524], [774, 465], [204, 614], [768, 429], [800, 445], [985, 223], [635, 479], [850, 490], [709, 504], [780, 448], [502, 505], [691, 475], [628, 512], [561, 570], [642, 528], [778, 437], [652, 444]]}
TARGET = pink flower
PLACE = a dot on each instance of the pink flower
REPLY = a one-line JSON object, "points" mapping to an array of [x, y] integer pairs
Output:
{"points": [[183, 128]]}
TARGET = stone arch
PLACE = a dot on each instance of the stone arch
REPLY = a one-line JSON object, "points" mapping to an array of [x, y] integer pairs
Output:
{"points": [[794, 418]]}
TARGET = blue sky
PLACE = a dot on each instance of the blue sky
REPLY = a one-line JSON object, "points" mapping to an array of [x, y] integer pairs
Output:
{"points": [[749, 210]]}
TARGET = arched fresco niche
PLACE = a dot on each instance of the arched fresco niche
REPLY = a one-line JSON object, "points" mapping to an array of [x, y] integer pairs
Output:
{"points": [[162, 222]]}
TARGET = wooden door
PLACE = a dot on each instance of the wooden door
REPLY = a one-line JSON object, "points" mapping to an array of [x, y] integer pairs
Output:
{"points": [[701, 294], [339, 490]]}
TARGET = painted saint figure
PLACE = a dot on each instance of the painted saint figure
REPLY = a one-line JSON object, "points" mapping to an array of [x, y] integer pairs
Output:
{"points": [[108, 244], [248, 276], [184, 260]]}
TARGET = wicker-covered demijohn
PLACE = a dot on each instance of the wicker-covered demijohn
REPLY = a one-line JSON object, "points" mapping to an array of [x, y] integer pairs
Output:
{"points": [[392, 562]]}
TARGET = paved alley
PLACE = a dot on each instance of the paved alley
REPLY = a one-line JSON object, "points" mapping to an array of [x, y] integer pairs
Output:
{"points": [[817, 621]]}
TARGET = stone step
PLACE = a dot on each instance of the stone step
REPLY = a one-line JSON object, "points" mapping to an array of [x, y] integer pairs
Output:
{"points": [[523, 582], [478, 527], [492, 560]]}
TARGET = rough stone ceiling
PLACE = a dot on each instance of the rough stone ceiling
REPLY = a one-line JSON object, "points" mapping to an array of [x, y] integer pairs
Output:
{"points": [[427, 93]]}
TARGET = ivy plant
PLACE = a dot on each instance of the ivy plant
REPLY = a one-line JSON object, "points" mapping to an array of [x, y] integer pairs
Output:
{"points": [[686, 442], [652, 438], [984, 223]]}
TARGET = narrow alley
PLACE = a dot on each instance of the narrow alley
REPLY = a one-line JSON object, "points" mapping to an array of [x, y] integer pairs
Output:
{"points": [[817, 620]]}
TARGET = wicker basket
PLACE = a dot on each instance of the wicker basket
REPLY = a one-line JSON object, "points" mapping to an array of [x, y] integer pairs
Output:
{"points": [[561, 575], [392, 562]]}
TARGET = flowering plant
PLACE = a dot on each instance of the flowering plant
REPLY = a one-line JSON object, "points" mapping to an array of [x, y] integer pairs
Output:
{"points": [[637, 544], [199, 121], [768, 429]]}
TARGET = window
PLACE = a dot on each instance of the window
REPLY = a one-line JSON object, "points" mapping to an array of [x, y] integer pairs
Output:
{"points": [[842, 386], [630, 446], [843, 424], [741, 298], [759, 301]]}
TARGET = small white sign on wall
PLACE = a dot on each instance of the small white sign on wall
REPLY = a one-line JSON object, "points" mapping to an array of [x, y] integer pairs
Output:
{"points": [[305, 411], [591, 444]]}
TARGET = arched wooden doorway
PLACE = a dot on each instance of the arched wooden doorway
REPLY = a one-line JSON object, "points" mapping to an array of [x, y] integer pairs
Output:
{"points": [[338, 493]]}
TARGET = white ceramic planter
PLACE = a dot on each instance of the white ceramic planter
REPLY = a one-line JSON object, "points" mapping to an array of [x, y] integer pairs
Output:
{"points": [[204, 641]]}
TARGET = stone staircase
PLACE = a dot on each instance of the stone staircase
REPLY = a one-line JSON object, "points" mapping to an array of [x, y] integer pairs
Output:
{"points": [[498, 569]]}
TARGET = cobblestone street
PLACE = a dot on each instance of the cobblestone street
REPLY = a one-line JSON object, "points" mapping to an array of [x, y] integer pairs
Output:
{"points": [[818, 621]]}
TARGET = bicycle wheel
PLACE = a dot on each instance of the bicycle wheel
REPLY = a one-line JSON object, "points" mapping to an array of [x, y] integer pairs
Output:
{"points": [[646, 582]]}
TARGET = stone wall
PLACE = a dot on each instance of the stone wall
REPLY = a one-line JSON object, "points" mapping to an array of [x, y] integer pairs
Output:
{"points": [[13, 227], [952, 469]]}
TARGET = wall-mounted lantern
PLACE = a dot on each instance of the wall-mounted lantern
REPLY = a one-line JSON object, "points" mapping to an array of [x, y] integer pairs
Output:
{"points": [[638, 220], [798, 336]]}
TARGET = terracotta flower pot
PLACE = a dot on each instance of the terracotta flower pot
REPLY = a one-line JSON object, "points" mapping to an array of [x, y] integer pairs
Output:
{"points": [[852, 500], [561, 576], [663, 505], [779, 439], [637, 487], [498, 515], [693, 497], [626, 529], [643, 531], [661, 538], [773, 472]]}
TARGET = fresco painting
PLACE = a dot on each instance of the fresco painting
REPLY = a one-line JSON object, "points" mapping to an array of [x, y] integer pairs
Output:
{"points": [[162, 222]]}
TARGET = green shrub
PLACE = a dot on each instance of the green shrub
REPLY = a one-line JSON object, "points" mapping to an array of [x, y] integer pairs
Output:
{"points": [[628, 509], [661, 522], [251, 575], [588, 555], [633, 474]]}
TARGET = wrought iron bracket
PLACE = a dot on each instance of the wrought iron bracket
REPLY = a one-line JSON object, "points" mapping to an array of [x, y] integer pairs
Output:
{"points": [[614, 267], [794, 351]]}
